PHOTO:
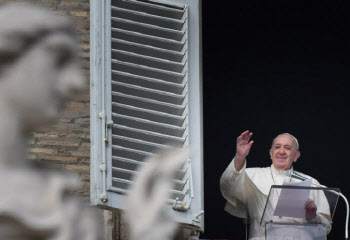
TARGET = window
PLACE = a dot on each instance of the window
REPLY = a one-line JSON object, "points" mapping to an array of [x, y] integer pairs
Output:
{"points": [[145, 94]]}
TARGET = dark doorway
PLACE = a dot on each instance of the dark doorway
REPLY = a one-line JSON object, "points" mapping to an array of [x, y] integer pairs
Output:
{"points": [[272, 67]]}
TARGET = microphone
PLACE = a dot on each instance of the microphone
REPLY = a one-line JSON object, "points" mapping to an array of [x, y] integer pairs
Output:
{"points": [[295, 175]]}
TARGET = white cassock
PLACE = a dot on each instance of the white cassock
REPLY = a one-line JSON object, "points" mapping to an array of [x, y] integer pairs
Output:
{"points": [[246, 193]]}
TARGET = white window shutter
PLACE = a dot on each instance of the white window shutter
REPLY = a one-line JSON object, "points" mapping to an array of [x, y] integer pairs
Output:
{"points": [[145, 95]]}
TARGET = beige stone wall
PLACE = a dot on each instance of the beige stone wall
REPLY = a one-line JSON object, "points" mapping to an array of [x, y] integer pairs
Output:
{"points": [[66, 143]]}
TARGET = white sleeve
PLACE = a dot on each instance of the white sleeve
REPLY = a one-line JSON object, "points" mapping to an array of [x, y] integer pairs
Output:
{"points": [[232, 185]]}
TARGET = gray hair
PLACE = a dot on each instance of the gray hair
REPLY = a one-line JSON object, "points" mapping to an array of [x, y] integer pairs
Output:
{"points": [[295, 140]]}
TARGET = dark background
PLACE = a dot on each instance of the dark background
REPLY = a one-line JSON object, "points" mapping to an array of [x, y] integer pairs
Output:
{"points": [[273, 67]]}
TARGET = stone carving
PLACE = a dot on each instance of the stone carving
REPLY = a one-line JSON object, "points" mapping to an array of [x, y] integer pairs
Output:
{"points": [[39, 67], [146, 212]]}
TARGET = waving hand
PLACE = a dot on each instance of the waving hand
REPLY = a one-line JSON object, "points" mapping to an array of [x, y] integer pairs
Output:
{"points": [[242, 149]]}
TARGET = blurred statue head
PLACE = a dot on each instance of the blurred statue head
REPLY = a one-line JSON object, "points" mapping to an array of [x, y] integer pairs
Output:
{"points": [[39, 68], [39, 64]]}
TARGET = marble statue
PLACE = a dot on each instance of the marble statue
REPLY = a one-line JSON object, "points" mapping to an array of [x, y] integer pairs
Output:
{"points": [[146, 211], [39, 68]]}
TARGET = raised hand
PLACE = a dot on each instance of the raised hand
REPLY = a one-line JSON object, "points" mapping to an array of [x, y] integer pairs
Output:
{"points": [[243, 144], [242, 149]]}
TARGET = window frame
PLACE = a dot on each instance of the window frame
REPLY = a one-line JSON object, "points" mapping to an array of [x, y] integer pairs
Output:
{"points": [[100, 78]]}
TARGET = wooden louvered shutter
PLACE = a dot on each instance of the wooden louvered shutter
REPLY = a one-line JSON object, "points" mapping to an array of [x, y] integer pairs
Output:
{"points": [[145, 102]]}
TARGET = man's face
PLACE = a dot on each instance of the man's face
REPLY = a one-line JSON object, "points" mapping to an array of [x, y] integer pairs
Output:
{"points": [[284, 152]]}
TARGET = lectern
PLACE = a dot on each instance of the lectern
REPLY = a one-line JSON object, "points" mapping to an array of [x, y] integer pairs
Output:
{"points": [[282, 218]]}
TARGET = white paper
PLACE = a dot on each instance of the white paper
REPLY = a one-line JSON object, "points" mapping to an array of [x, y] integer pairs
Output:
{"points": [[291, 202]]}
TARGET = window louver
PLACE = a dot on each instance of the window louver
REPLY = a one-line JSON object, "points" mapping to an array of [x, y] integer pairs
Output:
{"points": [[148, 89]]}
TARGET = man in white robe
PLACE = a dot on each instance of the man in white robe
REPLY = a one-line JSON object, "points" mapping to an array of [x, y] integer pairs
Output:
{"points": [[246, 189]]}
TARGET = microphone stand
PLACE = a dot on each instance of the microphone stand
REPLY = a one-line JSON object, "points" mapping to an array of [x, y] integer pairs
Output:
{"points": [[337, 193], [347, 215]]}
